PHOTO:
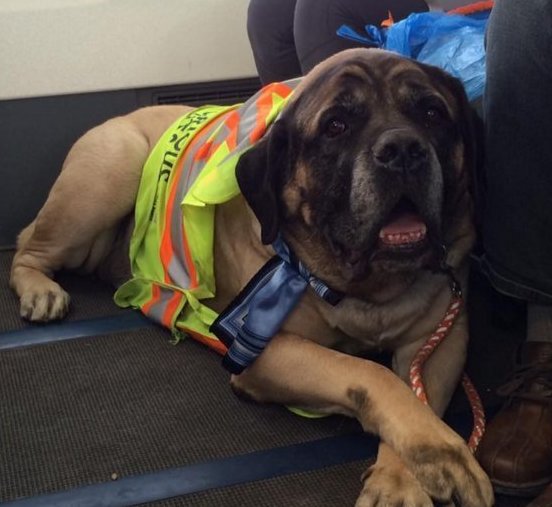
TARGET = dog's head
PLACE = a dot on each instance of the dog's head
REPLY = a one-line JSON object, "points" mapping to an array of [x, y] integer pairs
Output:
{"points": [[366, 171]]}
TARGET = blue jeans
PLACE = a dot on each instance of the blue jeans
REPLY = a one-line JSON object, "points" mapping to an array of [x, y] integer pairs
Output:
{"points": [[517, 178]]}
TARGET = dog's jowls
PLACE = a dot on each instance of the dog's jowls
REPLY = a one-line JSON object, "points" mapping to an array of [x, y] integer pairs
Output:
{"points": [[365, 175]]}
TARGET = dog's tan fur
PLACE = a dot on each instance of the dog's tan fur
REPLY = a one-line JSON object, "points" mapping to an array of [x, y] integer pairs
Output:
{"points": [[313, 361]]}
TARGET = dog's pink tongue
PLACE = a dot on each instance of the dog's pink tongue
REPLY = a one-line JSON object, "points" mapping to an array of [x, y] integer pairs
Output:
{"points": [[406, 228]]}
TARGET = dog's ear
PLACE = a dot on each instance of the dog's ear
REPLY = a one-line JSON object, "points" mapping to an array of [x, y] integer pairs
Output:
{"points": [[470, 125], [472, 132], [471, 129], [469, 122], [260, 173]]}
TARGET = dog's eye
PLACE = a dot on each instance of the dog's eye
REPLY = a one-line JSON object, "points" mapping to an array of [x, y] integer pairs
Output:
{"points": [[433, 115], [335, 127]]}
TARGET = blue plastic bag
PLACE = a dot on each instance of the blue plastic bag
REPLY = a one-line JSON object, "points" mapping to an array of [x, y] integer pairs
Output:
{"points": [[453, 42]]}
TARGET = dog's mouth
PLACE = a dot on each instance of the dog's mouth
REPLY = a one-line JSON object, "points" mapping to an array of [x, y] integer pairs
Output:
{"points": [[402, 241], [404, 229]]}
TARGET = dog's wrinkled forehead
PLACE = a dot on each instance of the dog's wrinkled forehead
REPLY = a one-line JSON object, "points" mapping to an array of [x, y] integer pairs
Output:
{"points": [[364, 77]]}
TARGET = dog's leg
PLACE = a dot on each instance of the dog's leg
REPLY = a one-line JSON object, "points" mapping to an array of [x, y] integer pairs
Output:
{"points": [[441, 375], [299, 372], [75, 227]]}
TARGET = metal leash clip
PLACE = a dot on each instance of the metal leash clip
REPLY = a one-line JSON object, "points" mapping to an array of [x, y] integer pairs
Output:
{"points": [[455, 286]]}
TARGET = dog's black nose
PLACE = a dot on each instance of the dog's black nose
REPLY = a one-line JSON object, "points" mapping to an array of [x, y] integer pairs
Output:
{"points": [[400, 150]]}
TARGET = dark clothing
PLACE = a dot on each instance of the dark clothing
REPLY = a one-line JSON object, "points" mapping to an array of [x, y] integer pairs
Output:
{"points": [[289, 37], [517, 216], [270, 31]]}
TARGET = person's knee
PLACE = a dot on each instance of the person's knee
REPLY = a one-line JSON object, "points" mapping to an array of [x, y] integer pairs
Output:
{"points": [[515, 30], [256, 18], [532, 10], [317, 21], [270, 32], [270, 19], [521, 21]]}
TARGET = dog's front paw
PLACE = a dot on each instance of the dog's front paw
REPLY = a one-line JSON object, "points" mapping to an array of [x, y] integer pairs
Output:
{"points": [[45, 302], [389, 487], [449, 472]]}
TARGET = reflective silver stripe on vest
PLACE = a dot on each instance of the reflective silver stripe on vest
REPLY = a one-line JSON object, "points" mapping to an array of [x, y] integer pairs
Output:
{"points": [[247, 120]]}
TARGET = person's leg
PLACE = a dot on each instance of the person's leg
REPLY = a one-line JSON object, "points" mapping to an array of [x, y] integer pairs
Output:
{"points": [[516, 450], [518, 115], [270, 31], [316, 23]]}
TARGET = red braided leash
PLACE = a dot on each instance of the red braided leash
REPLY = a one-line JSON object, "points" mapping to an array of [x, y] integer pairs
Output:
{"points": [[427, 349]]}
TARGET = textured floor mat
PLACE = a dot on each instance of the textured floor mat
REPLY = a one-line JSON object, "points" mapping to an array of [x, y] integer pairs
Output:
{"points": [[74, 413], [77, 412], [89, 297], [332, 487]]}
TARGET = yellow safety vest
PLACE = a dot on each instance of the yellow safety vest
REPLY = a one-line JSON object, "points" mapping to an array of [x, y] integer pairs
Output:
{"points": [[190, 171]]}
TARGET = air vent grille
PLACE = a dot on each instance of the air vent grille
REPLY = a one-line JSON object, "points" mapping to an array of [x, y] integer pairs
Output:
{"points": [[219, 92]]}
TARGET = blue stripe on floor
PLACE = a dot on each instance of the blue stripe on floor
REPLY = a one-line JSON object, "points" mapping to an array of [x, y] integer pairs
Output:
{"points": [[49, 333], [241, 469]]}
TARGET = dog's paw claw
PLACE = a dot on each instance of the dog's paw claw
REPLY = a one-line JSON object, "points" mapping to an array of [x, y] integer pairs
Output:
{"points": [[44, 306], [385, 487], [451, 472]]}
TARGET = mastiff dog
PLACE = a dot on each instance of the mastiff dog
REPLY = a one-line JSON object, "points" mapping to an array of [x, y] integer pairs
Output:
{"points": [[323, 226]]}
